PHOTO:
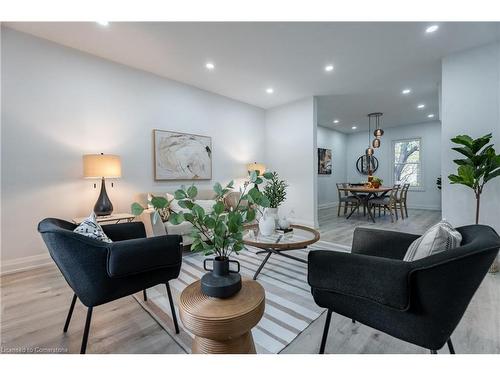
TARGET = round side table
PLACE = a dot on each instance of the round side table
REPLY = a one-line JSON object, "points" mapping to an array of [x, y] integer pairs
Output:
{"points": [[222, 325]]}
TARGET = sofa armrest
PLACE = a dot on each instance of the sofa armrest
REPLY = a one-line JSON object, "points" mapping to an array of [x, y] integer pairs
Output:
{"points": [[381, 243], [142, 255], [381, 280], [152, 229]]}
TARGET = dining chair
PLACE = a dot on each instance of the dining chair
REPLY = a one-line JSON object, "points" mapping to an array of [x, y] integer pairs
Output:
{"points": [[345, 198], [387, 202], [401, 200]]}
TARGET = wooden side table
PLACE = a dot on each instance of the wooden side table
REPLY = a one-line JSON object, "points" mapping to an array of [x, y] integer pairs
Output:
{"points": [[222, 326], [115, 218]]}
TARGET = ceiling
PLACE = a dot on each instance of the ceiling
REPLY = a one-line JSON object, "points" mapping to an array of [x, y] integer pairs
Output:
{"points": [[372, 61]]}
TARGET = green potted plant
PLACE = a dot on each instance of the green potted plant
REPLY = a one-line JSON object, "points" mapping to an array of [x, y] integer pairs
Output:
{"points": [[480, 165], [218, 232], [376, 182], [275, 191]]}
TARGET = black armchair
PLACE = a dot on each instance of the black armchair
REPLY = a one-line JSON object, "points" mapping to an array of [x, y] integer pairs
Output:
{"points": [[100, 272], [420, 302]]}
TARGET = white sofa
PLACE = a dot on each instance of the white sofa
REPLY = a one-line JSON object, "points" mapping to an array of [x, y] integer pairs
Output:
{"points": [[161, 228]]}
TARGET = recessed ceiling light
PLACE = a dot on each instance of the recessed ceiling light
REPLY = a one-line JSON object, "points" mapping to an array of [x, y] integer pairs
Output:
{"points": [[354, 127], [431, 29], [406, 91], [269, 90], [431, 115], [421, 106], [210, 66], [103, 23], [328, 68], [336, 121]]}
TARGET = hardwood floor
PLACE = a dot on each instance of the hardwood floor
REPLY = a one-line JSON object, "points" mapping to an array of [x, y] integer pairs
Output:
{"points": [[34, 305]]}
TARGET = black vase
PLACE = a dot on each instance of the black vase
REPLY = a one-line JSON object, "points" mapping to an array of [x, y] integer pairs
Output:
{"points": [[220, 281]]}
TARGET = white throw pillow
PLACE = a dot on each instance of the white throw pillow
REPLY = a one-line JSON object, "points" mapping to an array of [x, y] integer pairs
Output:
{"points": [[91, 228], [438, 238]]}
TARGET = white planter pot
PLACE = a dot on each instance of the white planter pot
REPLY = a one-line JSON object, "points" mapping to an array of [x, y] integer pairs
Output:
{"points": [[267, 225]]}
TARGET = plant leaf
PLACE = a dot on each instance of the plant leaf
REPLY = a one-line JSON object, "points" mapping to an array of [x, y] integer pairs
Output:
{"points": [[136, 209], [192, 191], [159, 202]]}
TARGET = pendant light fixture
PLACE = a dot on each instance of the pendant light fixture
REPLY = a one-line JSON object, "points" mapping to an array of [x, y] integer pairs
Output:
{"points": [[369, 150], [378, 132]]}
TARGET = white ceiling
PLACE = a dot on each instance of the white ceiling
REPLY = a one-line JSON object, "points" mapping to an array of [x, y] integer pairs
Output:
{"points": [[373, 61]]}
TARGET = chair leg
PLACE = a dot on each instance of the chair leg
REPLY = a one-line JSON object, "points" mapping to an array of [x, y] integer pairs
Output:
{"points": [[396, 210], [390, 211], [70, 313], [339, 207], [83, 349], [145, 295], [434, 351], [450, 346], [325, 332], [406, 210], [346, 206], [172, 308], [401, 207]]}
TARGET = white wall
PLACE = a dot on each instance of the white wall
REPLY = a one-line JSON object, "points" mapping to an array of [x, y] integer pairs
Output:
{"points": [[290, 134], [430, 133], [58, 104], [470, 105], [327, 188]]}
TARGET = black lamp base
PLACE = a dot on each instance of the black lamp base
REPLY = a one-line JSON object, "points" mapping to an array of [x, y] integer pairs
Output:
{"points": [[103, 206]]}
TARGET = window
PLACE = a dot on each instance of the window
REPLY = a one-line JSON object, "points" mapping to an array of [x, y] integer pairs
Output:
{"points": [[407, 166]]}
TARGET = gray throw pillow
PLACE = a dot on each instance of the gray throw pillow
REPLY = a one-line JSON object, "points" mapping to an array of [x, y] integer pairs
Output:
{"points": [[438, 238], [91, 228]]}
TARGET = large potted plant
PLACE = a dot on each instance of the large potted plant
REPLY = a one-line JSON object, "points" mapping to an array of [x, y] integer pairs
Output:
{"points": [[275, 192], [480, 165], [218, 232]]}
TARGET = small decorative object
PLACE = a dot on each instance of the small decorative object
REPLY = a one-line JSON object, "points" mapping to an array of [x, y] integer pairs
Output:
{"points": [[324, 161], [283, 223], [180, 156], [102, 166], [438, 182], [481, 164], [365, 164], [218, 232], [376, 182]]}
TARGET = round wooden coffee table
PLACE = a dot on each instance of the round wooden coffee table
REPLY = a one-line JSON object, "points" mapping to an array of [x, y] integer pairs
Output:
{"points": [[222, 325], [300, 238]]}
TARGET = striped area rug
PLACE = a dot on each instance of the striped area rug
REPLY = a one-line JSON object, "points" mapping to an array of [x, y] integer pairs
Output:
{"points": [[289, 310]]}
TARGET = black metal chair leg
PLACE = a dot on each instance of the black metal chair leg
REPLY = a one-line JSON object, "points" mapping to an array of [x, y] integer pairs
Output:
{"points": [[86, 331], [145, 295], [450, 346], [70, 313], [434, 351], [172, 308], [325, 332]]}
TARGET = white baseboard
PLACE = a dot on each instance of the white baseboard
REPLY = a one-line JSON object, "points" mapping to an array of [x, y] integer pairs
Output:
{"points": [[327, 205], [307, 223], [25, 263]]}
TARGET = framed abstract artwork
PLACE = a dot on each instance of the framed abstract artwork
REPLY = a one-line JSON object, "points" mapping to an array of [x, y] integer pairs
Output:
{"points": [[324, 161], [181, 156]]}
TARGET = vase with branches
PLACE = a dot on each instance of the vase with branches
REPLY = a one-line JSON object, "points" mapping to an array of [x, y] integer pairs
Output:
{"points": [[480, 165], [218, 232]]}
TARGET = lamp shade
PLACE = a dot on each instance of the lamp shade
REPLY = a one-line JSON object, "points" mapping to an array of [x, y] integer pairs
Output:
{"points": [[100, 165], [261, 168]]}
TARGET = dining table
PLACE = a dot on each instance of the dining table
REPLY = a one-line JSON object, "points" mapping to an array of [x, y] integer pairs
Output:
{"points": [[364, 194]]}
